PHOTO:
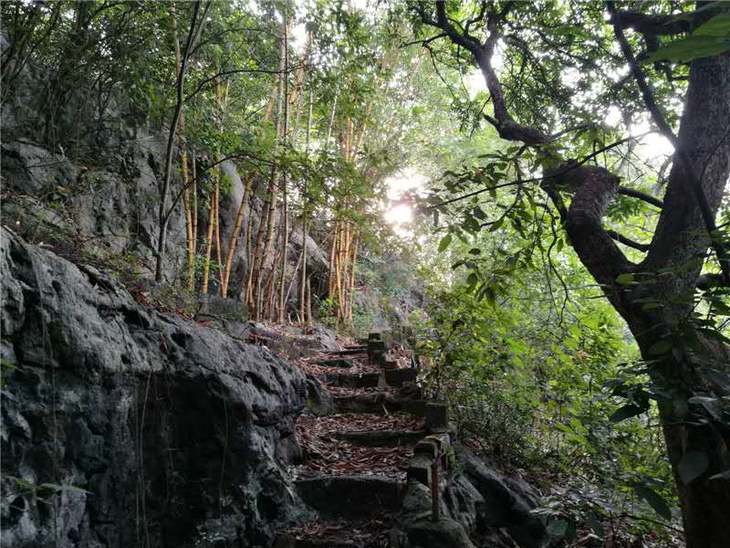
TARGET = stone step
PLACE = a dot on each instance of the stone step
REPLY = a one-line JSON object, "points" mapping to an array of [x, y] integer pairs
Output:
{"points": [[378, 402], [355, 348], [342, 363], [382, 438], [347, 352], [398, 377], [350, 380], [338, 534], [351, 497]]}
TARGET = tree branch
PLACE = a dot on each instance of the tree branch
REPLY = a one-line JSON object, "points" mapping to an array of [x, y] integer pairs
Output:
{"points": [[224, 73], [595, 189], [655, 25], [628, 241], [563, 170], [464, 40], [506, 127], [641, 196]]}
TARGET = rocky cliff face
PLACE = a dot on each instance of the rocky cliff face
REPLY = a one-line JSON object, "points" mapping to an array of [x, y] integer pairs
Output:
{"points": [[97, 189], [107, 207], [125, 427]]}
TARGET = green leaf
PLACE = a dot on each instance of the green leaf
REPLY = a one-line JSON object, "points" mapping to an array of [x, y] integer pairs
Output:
{"points": [[444, 243], [625, 279], [475, 251], [496, 225], [655, 500], [717, 26], [692, 465], [65, 487], [626, 412], [688, 49]]}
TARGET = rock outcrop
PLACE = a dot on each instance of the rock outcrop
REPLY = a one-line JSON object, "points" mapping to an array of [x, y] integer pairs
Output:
{"points": [[479, 507], [97, 189], [122, 426]]}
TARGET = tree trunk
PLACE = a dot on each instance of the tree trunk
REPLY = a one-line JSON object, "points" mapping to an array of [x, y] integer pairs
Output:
{"points": [[285, 197], [212, 221], [690, 434], [194, 215], [684, 363], [163, 215], [305, 217], [265, 231]]}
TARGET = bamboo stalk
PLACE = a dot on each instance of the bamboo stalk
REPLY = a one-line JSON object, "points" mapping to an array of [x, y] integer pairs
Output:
{"points": [[235, 235], [208, 245], [285, 197], [351, 289], [309, 298], [218, 231]]}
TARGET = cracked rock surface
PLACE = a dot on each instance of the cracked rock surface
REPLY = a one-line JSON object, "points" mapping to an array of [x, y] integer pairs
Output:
{"points": [[122, 426]]}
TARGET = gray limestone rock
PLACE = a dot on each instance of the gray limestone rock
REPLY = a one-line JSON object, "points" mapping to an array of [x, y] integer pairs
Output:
{"points": [[125, 427]]}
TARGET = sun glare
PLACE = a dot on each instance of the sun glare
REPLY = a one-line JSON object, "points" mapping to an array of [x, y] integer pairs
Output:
{"points": [[399, 214]]}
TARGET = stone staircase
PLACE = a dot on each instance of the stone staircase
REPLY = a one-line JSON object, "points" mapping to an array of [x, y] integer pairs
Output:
{"points": [[357, 504], [378, 467]]}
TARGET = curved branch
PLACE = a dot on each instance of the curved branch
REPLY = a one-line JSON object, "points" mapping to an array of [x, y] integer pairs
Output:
{"points": [[222, 74], [548, 177], [641, 196], [628, 241], [505, 125], [654, 25], [595, 188], [464, 39]]}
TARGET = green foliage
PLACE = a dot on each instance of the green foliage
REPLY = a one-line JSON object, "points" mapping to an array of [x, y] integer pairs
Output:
{"points": [[709, 39], [533, 380], [326, 312], [362, 320]]}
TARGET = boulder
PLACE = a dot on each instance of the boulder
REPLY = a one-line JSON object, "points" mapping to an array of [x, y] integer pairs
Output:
{"points": [[122, 426], [504, 502], [319, 400], [444, 533], [31, 169]]}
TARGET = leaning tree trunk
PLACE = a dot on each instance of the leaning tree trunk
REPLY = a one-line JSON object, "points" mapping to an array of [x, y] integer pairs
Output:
{"points": [[697, 442], [696, 366], [690, 370]]}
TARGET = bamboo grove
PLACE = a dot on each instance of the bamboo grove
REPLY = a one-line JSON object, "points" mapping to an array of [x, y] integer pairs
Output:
{"points": [[306, 104], [319, 169]]}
